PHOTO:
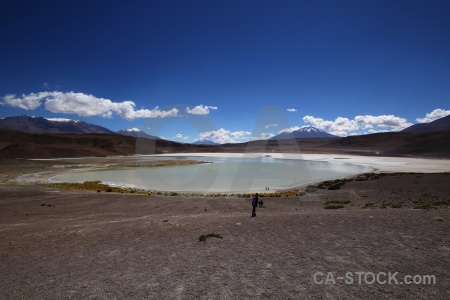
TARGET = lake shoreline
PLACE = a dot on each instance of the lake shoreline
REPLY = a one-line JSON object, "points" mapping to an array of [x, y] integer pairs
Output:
{"points": [[378, 165], [219, 185]]}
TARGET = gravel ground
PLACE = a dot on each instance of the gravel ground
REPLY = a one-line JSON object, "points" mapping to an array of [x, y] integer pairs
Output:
{"points": [[76, 245]]}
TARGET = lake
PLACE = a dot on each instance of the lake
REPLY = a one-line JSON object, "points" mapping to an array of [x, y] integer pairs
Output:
{"points": [[221, 175]]}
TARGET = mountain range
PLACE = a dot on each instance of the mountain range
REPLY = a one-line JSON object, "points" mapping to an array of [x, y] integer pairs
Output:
{"points": [[54, 125], [29, 124], [35, 137]]}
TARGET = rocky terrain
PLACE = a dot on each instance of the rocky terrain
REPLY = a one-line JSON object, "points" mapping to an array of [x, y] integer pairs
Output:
{"points": [[60, 244]]}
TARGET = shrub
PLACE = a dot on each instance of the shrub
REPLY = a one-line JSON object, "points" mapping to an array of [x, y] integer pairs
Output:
{"points": [[398, 205], [337, 202], [330, 206], [311, 189], [439, 219], [424, 206], [361, 179], [203, 238], [441, 203]]}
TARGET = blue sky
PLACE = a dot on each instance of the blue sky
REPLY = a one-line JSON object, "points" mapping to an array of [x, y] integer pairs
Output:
{"points": [[227, 70]]}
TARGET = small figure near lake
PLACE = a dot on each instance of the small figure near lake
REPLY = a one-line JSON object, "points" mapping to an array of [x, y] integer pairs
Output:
{"points": [[254, 204], [261, 203]]}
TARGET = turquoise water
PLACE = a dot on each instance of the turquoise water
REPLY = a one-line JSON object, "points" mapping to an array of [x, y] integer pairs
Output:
{"points": [[221, 175]]}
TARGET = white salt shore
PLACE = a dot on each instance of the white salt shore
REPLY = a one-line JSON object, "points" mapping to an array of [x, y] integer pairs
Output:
{"points": [[378, 163]]}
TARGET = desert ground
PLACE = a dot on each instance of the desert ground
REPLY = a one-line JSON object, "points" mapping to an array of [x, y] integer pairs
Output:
{"points": [[58, 244]]}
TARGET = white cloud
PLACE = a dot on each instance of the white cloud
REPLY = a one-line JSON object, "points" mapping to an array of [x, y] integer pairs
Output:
{"points": [[84, 105], [271, 125], [434, 115], [263, 136], [289, 130], [222, 136], [396, 123], [344, 126], [318, 122], [179, 136], [338, 125], [200, 109], [239, 134], [27, 102], [291, 110]]}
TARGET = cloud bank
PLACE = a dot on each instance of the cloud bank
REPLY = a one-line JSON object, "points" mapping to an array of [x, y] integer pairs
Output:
{"points": [[289, 130], [84, 105], [434, 115], [223, 136], [262, 136], [200, 109], [371, 124]]}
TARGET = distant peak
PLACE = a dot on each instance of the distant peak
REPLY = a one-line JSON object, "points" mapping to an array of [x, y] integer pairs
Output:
{"points": [[302, 132], [307, 128], [310, 128], [134, 129]]}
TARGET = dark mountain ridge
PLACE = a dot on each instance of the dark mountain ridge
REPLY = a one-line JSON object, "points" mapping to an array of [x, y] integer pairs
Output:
{"points": [[441, 124], [15, 144], [29, 124]]}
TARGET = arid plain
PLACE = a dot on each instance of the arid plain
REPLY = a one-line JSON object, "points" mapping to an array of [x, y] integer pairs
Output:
{"points": [[84, 244]]}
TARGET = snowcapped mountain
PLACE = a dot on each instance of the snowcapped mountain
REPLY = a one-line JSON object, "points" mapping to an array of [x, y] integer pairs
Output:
{"points": [[305, 132], [51, 125], [60, 120], [136, 132]]}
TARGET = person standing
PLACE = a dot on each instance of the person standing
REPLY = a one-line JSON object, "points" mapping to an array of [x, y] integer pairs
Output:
{"points": [[254, 204]]}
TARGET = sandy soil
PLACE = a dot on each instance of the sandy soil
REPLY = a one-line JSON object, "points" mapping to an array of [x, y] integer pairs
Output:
{"points": [[76, 245]]}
